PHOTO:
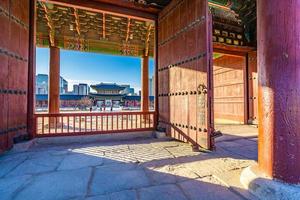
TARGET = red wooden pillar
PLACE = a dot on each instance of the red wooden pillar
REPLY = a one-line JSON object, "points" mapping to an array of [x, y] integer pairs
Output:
{"points": [[31, 71], [279, 89], [54, 75], [145, 84]]}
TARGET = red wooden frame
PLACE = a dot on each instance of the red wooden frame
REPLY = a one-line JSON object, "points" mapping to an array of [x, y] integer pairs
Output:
{"points": [[74, 124]]}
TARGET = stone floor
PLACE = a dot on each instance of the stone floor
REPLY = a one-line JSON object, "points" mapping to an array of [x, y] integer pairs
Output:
{"points": [[143, 169], [234, 131]]}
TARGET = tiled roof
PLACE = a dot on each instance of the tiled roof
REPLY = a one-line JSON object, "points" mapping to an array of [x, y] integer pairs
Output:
{"points": [[105, 95], [107, 86]]}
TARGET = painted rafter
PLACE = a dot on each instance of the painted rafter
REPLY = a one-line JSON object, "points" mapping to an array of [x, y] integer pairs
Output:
{"points": [[103, 26], [89, 31], [128, 29], [77, 21], [147, 41], [49, 23]]}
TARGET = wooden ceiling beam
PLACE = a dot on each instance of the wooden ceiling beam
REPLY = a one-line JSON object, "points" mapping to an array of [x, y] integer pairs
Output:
{"points": [[231, 50], [107, 8], [128, 29], [147, 41], [103, 26], [133, 5], [50, 25], [77, 21]]}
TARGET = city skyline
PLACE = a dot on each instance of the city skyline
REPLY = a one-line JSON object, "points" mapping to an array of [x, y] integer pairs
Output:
{"points": [[80, 67], [71, 90]]}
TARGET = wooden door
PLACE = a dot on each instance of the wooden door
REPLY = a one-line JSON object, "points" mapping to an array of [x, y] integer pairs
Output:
{"points": [[14, 40], [185, 72], [229, 89], [253, 87]]}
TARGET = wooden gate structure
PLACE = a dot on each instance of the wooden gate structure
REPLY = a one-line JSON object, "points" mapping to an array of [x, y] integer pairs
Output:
{"points": [[184, 68], [14, 58], [185, 72]]}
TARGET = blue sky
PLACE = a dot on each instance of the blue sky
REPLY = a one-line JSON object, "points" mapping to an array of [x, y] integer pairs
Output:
{"points": [[91, 68]]}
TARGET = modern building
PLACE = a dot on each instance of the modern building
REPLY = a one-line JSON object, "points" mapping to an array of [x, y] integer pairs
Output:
{"points": [[84, 89], [81, 89], [42, 84], [75, 89], [152, 86]]}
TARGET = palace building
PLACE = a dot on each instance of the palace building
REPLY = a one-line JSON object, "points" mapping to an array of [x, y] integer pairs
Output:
{"points": [[107, 95]]}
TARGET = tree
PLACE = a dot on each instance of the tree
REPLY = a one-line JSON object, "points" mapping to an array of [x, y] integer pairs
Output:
{"points": [[85, 102]]}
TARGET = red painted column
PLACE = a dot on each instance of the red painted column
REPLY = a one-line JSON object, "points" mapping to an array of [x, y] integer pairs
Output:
{"points": [[279, 89], [31, 71], [54, 75], [145, 84]]}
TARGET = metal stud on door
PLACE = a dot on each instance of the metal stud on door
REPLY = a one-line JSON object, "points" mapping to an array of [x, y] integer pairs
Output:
{"points": [[184, 52]]}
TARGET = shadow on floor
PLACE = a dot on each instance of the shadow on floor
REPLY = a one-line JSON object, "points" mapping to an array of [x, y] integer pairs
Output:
{"points": [[129, 170]]}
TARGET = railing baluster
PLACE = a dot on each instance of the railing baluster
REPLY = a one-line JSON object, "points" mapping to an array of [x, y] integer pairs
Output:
{"points": [[127, 122], [131, 119], [107, 122], [42, 125], [55, 124], [112, 122], [68, 124], [79, 123], [85, 124], [117, 122], [62, 124], [96, 123], [74, 123], [122, 121], [49, 119], [136, 121], [101, 122], [91, 123]]}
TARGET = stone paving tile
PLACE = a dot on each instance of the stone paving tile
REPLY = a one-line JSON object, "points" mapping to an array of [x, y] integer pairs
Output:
{"points": [[149, 154], [182, 150], [7, 157], [70, 184], [119, 167], [9, 186], [143, 169], [170, 174], [107, 181], [245, 142], [114, 157], [106, 147], [76, 161], [233, 177], [8, 165], [245, 152], [47, 153], [124, 195], [161, 192], [207, 188], [37, 165]]}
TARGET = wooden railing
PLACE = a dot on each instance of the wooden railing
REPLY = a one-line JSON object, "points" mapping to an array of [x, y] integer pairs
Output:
{"points": [[70, 124]]}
